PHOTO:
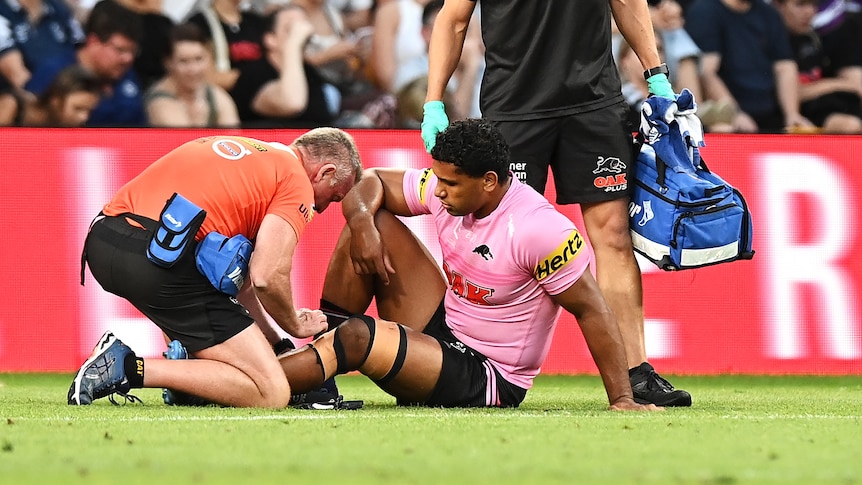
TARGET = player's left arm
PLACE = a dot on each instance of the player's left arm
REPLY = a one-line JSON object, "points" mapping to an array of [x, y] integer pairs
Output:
{"points": [[584, 300]]}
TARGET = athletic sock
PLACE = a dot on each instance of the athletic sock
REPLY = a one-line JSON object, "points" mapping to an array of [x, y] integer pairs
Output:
{"points": [[134, 366]]}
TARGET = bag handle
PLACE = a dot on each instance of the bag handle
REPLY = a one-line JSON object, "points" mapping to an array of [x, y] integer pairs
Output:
{"points": [[660, 165]]}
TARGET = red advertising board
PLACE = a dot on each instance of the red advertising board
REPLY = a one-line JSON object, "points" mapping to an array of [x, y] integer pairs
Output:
{"points": [[793, 309]]}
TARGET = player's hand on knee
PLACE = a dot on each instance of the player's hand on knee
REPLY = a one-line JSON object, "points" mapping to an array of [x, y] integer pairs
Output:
{"points": [[369, 256]]}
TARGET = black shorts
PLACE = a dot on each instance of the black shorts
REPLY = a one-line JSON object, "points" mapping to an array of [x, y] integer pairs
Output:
{"points": [[180, 300], [464, 378], [590, 154]]}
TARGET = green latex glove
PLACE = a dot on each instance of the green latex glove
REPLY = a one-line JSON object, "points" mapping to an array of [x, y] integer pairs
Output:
{"points": [[434, 120], [659, 85]]}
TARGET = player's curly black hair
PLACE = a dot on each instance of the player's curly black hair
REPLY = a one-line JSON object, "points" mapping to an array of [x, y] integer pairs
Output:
{"points": [[475, 147]]}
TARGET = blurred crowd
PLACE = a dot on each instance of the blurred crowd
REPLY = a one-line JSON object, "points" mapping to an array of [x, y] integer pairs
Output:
{"points": [[754, 66]]}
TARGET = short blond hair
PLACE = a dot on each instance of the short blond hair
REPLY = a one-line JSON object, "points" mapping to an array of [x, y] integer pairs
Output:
{"points": [[332, 145]]}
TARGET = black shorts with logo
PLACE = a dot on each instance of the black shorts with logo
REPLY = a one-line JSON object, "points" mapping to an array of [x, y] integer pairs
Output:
{"points": [[464, 377], [180, 300], [590, 154]]}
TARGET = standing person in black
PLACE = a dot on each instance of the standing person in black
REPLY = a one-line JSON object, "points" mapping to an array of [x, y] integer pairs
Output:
{"points": [[235, 34], [281, 90], [552, 88]]}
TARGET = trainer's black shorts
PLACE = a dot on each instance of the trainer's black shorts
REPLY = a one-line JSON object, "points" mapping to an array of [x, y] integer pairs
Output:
{"points": [[180, 300], [464, 377], [590, 154]]}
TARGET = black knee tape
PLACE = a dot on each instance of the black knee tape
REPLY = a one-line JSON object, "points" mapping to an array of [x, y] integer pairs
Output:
{"points": [[340, 356], [399, 358], [338, 345], [372, 326], [319, 360], [335, 315]]}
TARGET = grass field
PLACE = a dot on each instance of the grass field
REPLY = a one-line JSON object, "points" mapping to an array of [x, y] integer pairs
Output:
{"points": [[803, 430]]}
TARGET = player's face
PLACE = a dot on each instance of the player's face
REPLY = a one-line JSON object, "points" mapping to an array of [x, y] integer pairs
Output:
{"points": [[326, 192], [459, 193]]}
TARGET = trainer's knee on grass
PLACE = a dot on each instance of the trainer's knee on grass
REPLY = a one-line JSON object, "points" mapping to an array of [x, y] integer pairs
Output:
{"points": [[275, 393], [375, 348]]}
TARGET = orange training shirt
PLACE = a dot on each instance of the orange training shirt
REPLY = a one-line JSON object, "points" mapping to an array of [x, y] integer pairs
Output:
{"points": [[237, 180]]}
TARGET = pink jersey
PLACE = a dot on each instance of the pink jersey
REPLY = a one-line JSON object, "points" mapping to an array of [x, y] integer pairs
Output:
{"points": [[501, 271]]}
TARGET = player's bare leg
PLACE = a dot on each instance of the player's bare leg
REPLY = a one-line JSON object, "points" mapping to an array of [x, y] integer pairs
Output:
{"points": [[403, 362], [414, 291]]}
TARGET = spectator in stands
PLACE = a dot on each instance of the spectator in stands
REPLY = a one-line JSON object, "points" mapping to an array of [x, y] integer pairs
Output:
{"points": [[403, 71], [236, 37], [331, 48], [747, 61], [839, 25], [184, 97], [149, 65], [113, 34], [281, 89], [682, 56], [357, 14], [67, 102], [830, 102], [399, 53], [32, 31], [463, 88]]}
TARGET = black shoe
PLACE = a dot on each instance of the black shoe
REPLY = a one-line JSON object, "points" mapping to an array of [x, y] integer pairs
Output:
{"points": [[327, 397], [322, 400], [649, 387]]}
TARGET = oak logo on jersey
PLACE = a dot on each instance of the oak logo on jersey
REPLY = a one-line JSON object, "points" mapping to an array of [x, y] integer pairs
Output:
{"points": [[483, 251], [466, 289], [423, 181], [230, 149], [561, 256]]}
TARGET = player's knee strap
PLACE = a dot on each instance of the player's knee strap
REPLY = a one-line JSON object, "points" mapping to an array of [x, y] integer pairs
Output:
{"points": [[324, 349], [386, 352], [329, 349]]}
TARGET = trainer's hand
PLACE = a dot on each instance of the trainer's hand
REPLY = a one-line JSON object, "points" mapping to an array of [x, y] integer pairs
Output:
{"points": [[311, 323], [434, 120], [628, 404], [659, 85]]}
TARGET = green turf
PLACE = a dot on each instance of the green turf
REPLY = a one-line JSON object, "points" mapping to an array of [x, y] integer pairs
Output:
{"points": [[803, 430]]}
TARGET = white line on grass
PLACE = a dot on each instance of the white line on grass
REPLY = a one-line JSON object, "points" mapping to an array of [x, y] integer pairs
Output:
{"points": [[324, 415]]}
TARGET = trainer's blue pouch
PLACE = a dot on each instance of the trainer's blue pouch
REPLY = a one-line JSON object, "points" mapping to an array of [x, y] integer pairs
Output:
{"points": [[224, 261], [175, 234]]}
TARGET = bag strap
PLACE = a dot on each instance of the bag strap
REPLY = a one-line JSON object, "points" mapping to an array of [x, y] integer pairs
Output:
{"points": [[660, 165], [221, 57]]}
